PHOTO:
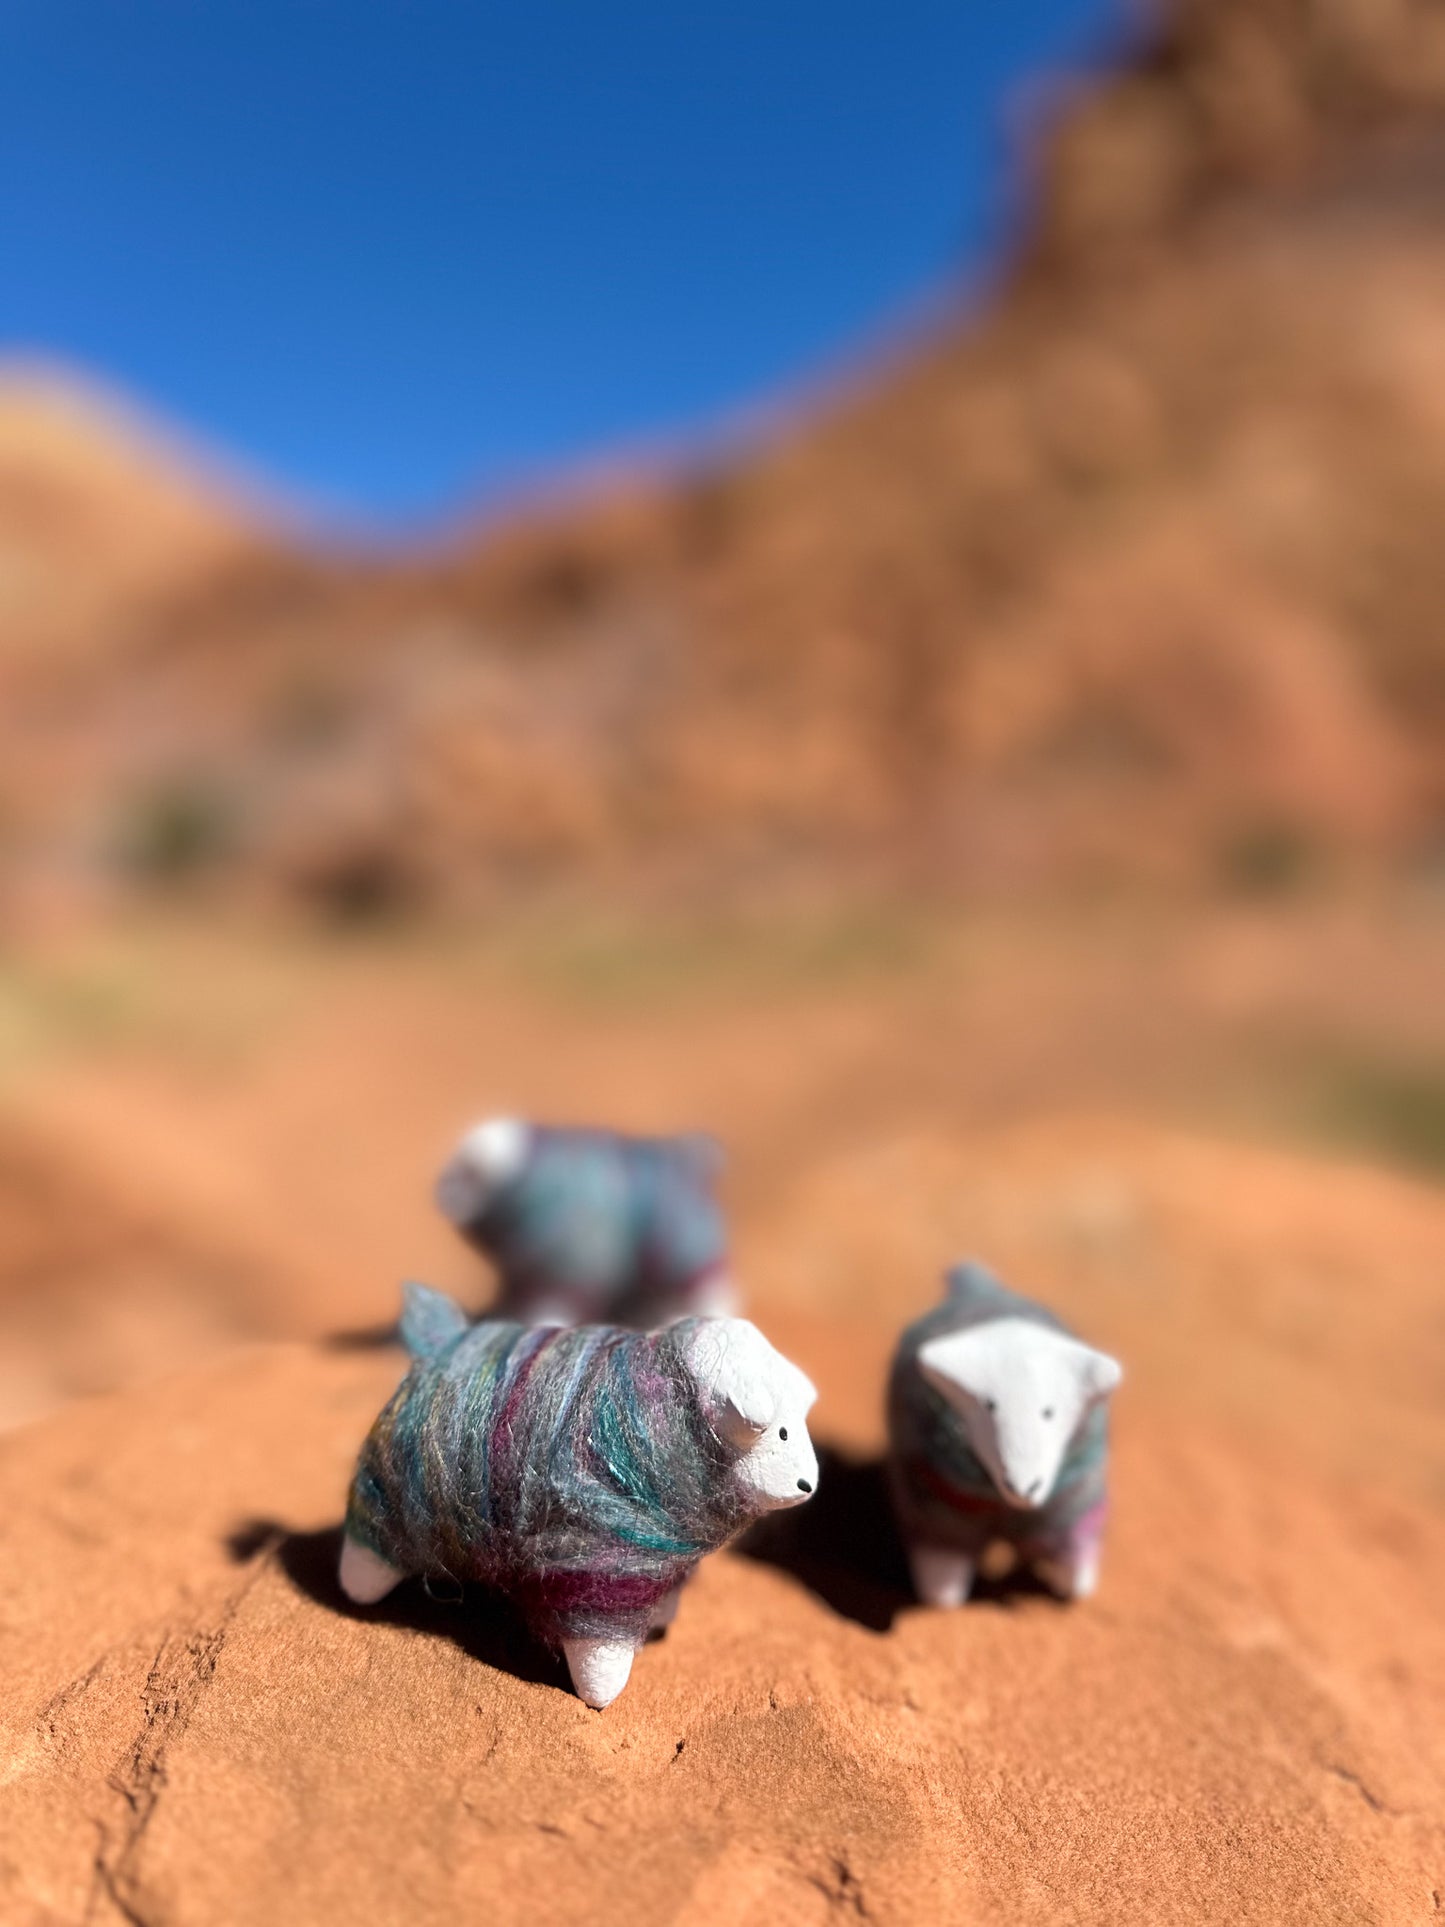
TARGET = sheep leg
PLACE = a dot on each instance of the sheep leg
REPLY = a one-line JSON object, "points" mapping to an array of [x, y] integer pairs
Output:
{"points": [[716, 1297], [941, 1577], [599, 1668], [364, 1576], [1073, 1570]]}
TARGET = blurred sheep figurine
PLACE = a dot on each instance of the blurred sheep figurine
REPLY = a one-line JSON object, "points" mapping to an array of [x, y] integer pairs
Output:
{"points": [[583, 1472], [998, 1423], [589, 1225]]}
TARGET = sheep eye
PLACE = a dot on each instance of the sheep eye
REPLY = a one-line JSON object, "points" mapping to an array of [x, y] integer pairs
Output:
{"points": [[1048, 1412], [783, 1432], [990, 1405]]}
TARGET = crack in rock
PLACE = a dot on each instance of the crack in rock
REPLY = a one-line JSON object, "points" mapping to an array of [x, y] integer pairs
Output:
{"points": [[181, 1670], [1372, 1800], [47, 1721], [842, 1888]]}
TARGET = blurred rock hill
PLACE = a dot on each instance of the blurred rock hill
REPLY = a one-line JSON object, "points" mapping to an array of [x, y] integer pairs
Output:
{"points": [[1134, 569]]}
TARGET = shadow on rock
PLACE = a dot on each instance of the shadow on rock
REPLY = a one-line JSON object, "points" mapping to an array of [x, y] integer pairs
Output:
{"points": [[843, 1545], [482, 1623], [363, 1338]]}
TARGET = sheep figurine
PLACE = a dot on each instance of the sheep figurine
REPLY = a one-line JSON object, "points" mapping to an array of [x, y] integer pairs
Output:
{"points": [[583, 1471], [590, 1225], [998, 1428]]}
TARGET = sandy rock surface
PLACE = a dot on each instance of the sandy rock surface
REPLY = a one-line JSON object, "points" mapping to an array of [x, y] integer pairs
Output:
{"points": [[1245, 1725]]}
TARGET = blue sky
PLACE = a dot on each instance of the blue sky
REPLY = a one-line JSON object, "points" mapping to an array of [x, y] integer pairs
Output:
{"points": [[399, 255]]}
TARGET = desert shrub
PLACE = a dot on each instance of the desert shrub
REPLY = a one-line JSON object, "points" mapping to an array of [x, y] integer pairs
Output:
{"points": [[1269, 859], [1397, 1111], [356, 881], [177, 828]]}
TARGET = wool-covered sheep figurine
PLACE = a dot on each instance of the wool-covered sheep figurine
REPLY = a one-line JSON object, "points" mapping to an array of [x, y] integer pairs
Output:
{"points": [[998, 1425], [589, 1226], [582, 1471]]}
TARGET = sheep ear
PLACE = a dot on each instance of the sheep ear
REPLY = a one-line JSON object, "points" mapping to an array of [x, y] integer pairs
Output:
{"points": [[1101, 1372], [734, 1368], [738, 1425], [954, 1364]]}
